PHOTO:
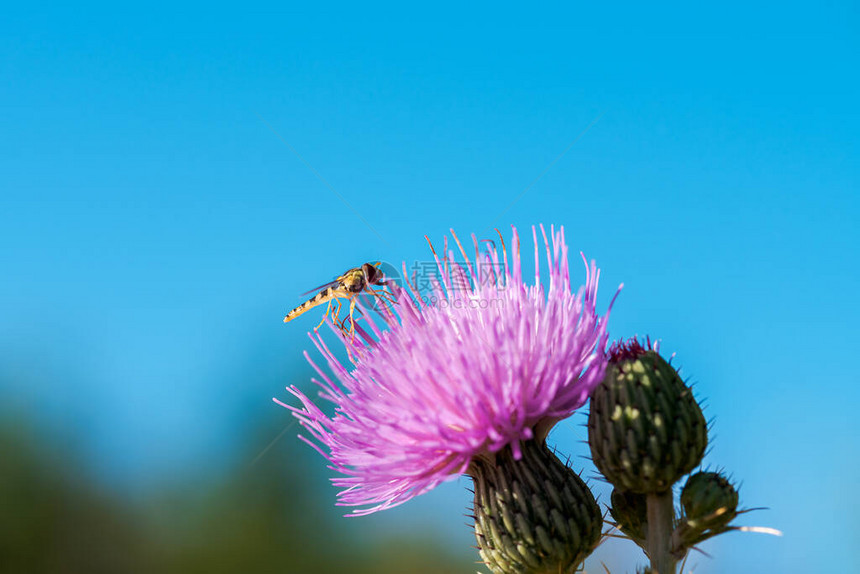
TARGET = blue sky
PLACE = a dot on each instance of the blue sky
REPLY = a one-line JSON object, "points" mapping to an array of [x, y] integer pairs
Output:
{"points": [[171, 179]]}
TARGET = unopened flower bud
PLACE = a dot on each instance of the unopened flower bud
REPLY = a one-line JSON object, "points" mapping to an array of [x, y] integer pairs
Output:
{"points": [[709, 501], [533, 515], [630, 512], [645, 428]]}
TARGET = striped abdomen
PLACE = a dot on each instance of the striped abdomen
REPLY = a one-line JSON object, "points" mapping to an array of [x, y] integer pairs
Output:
{"points": [[323, 296]]}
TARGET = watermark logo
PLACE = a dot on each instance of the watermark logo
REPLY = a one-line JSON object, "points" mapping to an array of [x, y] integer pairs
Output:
{"points": [[424, 279]]}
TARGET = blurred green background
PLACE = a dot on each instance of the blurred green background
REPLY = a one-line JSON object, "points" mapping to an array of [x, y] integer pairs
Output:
{"points": [[267, 513]]}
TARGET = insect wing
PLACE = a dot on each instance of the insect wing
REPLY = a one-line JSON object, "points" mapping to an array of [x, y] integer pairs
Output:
{"points": [[321, 287]]}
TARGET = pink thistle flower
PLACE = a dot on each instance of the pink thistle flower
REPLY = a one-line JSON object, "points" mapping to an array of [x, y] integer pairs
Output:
{"points": [[483, 362]]}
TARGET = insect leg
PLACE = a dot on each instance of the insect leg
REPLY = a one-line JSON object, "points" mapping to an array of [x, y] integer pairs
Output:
{"points": [[337, 311], [325, 316], [351, 320], [384, 296], [388, 296], [344, 320]]}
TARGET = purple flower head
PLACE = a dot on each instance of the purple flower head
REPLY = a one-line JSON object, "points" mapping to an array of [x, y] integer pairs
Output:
{"points": [[480, 362]]}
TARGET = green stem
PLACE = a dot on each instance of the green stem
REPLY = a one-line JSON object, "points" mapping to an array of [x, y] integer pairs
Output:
{"points": [[661, 518]]}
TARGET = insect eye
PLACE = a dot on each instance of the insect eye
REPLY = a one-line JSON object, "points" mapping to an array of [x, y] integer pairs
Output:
{"points": [[370, 272]]}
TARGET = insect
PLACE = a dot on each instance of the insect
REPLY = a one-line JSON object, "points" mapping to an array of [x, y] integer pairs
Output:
{"points": [[349, 285]]}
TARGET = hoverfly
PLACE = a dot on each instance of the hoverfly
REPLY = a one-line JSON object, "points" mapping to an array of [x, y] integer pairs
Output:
{"points": [[349, 286]]}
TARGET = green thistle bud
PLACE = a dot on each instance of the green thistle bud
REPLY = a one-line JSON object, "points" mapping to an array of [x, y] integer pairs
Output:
{"points": [[533, 515], [709, 501], [645, 428], [630, 512]]}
